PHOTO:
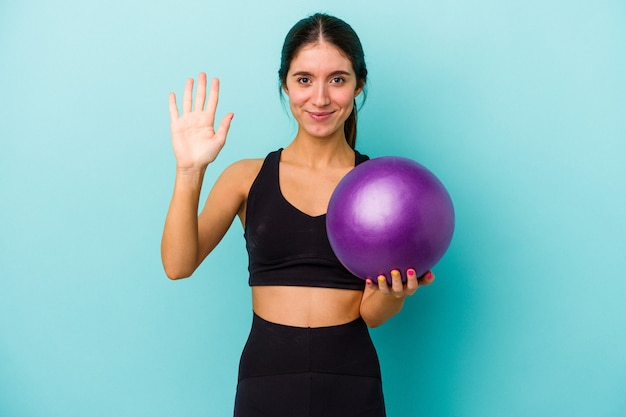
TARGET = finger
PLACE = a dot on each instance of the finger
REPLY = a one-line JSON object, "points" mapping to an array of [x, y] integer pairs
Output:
{"points": [[200, 92], [397, 286], [427, 278], [211, 106], [411, 282], [187, 96], [383, 286], [173, 108]]}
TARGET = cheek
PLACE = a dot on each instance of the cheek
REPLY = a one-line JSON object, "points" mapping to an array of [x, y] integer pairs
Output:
{"points": [[345, 98], [297, 98]]}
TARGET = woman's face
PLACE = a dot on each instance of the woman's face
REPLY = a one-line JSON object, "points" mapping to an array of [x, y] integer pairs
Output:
{"points": [[321, 85]]}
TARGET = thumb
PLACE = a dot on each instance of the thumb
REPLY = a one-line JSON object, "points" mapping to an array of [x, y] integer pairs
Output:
{"points": [[224, 127]]}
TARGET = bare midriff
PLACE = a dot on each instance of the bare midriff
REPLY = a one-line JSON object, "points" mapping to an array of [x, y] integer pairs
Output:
{"points": [[306, 306]]}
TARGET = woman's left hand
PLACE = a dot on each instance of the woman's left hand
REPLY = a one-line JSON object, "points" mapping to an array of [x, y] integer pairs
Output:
{"points": [[399, 289]]}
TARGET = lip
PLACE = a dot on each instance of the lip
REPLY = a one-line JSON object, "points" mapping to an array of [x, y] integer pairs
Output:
{"points": [[320, 116]]}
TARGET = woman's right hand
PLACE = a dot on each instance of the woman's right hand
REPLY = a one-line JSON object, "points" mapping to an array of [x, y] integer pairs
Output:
{"points": [[195, 141]]}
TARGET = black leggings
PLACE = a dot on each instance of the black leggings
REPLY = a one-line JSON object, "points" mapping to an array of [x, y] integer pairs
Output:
{"points": [[288, 371]]}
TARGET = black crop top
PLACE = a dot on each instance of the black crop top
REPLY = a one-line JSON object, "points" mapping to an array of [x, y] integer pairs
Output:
{"points": [[286, 246]]}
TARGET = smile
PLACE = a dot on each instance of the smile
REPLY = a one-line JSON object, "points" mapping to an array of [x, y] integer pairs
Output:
{"points": [[320, 116]]}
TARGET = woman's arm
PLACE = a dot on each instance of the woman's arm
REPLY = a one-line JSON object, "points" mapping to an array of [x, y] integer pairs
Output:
{"points": [[196, 144], [382, 301], [188, 237], [180, 240]]}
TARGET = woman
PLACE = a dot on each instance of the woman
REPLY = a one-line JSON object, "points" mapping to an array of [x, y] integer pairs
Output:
{"points": [[309, 352]]}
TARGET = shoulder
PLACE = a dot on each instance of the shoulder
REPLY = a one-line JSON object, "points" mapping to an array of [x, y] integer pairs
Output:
{"points": [[244, 168], [240, 175], [248, 169]]}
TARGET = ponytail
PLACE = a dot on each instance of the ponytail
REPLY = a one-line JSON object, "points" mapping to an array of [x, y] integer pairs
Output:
{"points": [[349, 127]]}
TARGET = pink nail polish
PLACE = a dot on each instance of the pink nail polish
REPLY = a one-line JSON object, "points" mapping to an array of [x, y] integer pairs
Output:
{"points": [[411, 272]]}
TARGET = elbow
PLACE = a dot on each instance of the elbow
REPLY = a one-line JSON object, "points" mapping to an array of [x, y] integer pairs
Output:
{"points": [[174, 272], [176, 268], [174, 276], [371, 320], [375, 317], [373, 323]]}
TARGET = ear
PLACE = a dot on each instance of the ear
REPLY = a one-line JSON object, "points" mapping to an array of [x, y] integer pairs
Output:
{"points": [[285, 89], [359, 88]]}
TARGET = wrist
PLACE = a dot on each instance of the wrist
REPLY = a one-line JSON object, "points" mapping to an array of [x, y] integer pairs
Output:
{"points": [[190, 177], [192, 172]]}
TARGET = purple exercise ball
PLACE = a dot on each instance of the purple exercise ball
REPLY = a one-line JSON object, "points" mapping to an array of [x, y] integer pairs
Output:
{"points": [[389, 213]]}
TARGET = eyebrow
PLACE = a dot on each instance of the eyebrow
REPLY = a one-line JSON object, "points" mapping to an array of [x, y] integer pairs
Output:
{"points": [[332, 74]]}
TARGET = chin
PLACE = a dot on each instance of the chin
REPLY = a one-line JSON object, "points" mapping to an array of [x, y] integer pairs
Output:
{"points": [[323, 133]]}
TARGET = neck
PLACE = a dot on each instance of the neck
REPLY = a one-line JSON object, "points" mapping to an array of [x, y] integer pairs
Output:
{"points": [[320, 152]]}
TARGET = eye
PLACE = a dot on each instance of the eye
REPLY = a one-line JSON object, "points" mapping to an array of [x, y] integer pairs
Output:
{"points": [[304, 80], [338, 80]]}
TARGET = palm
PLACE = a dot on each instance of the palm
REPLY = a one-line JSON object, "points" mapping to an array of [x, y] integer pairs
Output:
{"points": [[195, 141]]}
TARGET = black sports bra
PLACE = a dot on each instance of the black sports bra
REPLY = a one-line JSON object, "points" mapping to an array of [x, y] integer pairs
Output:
{"points": [[286, 246]]}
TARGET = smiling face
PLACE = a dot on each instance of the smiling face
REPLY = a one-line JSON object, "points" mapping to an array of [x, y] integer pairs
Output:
{"points": [[321, 85]]}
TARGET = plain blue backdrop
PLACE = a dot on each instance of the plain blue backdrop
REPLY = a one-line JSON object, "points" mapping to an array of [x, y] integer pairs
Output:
{"points": [[518, 107]]}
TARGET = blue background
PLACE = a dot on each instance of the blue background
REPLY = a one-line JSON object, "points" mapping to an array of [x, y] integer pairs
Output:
{"points": [[518, 107]]}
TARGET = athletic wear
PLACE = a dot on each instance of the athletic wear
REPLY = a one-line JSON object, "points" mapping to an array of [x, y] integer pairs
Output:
{"points": [[290, 371], [286, 246]]}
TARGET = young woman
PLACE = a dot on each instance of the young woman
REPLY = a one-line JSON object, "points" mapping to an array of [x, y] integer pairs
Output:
{"points": [[309, 352]]}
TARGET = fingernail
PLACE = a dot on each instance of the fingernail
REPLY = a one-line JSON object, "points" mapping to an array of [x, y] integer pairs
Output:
{"points": [[411, 272], [430, 276], [381, 279], [395, 273], [368, 282]]}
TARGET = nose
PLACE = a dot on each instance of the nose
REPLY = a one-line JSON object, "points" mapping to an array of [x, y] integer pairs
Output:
{"points": [[321, 98]]}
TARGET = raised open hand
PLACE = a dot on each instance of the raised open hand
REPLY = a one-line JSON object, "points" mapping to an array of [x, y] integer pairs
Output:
{"points": [[194, 138]]}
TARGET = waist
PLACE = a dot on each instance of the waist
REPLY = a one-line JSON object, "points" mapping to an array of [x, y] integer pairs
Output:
{"points": [[275, 349], [306, 306]]}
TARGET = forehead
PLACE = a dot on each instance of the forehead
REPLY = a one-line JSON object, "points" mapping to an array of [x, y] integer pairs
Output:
{"points": [[320, 56]]}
